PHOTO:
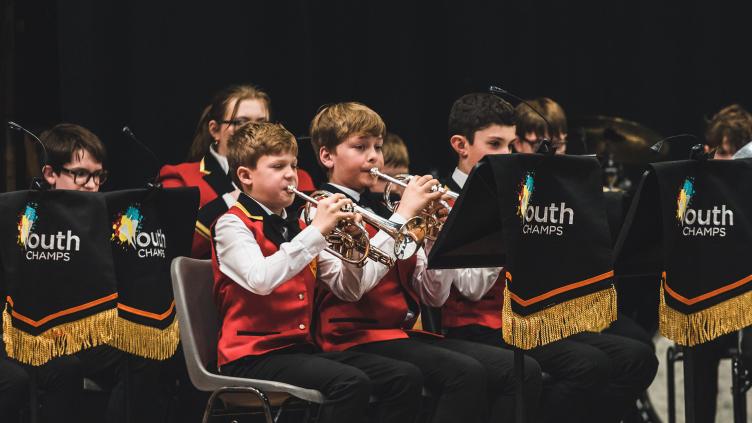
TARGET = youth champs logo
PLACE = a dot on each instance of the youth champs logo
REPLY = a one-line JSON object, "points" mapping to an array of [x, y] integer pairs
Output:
{"points": [[126, 226], [127, 233], [709, 222], [44, 247], [526, 191], [686, 193], [541, 220], [26, 224]]}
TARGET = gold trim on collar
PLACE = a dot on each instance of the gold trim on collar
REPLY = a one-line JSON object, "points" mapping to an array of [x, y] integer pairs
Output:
{"points": [[202, 168], [247, 213]]}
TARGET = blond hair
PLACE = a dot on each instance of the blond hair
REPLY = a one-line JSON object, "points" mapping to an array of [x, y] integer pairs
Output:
{"points": [[395, 151], [336, 122], [256, 139]]}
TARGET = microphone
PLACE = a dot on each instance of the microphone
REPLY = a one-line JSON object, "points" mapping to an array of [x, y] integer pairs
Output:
{"points": [[128, 133], [544, 146], [16, 127], [696, 152], [36, 182]]}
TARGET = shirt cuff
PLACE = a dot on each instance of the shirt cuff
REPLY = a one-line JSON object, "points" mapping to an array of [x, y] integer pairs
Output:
{"points": [[398, 218], [312, 240]]}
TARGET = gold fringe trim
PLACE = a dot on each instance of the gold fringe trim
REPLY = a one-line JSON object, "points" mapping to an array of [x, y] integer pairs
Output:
{"points": [[146, 341], [704, 325], [593, 312], [65, 339]]}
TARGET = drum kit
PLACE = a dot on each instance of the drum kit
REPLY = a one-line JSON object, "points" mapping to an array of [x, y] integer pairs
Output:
{"points": [[623, 147]]}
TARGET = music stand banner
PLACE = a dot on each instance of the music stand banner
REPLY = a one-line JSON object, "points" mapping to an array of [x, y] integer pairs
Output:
{"points": [[692, 218], [543, 218], [58, 269], [149, 227]]}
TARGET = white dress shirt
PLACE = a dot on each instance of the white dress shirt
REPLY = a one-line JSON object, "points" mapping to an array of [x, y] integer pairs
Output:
{"points": [[473, 283], [241, 259]]}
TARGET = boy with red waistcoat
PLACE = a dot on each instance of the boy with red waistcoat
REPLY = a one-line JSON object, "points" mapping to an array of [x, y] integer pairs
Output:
{"points": [[266, 271], [471, 381], [595, 375]]}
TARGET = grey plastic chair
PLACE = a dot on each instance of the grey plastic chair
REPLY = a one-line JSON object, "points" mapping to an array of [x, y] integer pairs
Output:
{"points": [[192, 282]]}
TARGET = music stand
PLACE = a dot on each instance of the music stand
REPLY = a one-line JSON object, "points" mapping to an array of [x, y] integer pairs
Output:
{"points": [[474, 239]]}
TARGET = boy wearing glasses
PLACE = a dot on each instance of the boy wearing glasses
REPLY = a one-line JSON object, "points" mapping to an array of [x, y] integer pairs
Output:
{"points": [[531, 128], [75, 157]]}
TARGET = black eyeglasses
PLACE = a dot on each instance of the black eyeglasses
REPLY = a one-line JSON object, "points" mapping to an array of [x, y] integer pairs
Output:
{"points": [[81, 177], [556, 144]]}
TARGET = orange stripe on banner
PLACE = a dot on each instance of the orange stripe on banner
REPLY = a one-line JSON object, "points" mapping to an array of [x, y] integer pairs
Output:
{"points": [[37, 323], [559, 290], [703, 297], [9, 300], [150, 315]]}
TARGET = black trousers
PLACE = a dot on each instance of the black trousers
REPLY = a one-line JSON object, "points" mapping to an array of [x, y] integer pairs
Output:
{"points": [[473, 382], [347, 379], [59, 382], [111, 367], [596, 377]]}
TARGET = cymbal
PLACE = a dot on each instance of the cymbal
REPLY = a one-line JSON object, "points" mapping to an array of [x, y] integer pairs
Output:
{"points": [[625, 140]]}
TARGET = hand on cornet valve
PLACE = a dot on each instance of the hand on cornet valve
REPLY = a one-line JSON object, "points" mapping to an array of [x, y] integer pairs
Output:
{"points": [[418, 194], [329, 213]]}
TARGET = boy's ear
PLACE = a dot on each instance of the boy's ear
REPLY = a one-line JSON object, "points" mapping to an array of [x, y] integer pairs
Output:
{"points": [[49, 175], [244, 175], [460, 145], [214, 129], [325, 157]]}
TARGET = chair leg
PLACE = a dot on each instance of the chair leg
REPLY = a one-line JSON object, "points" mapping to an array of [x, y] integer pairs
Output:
{"points": [[671, 383], [737, 390], [239, 389]]}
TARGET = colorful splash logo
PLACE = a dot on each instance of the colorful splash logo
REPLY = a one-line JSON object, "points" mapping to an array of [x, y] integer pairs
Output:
{"points": [[685, 197], [126, 227], [26, 224], [526, 191]]}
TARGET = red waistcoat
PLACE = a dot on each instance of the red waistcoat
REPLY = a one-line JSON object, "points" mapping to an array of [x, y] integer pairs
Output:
{"points": [[458, 311], [378, 316], [256, 324]]}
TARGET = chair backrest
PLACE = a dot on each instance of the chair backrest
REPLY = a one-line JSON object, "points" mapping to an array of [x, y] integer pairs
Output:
{"points": [[192, 283]]}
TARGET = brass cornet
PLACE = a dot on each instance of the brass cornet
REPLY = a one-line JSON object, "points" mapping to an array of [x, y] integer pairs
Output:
{"points": [[351, 242], [430, 213]]}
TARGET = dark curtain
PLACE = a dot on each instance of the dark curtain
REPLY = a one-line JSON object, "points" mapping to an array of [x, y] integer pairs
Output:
{"points": [[154, 65]]}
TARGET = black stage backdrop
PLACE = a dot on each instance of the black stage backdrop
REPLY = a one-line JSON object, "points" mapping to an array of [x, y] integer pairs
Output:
{"points": [[154, 65]]}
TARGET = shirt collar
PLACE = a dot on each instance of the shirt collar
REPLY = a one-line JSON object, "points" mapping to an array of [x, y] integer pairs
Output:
{"points": [[460, 177], [266, 209], [355, 195], [222, 160]]}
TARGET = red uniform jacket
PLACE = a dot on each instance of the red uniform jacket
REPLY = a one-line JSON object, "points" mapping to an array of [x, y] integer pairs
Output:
{"points": [[380, 315], [256, 324], [459, 311], [212, 182]]}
